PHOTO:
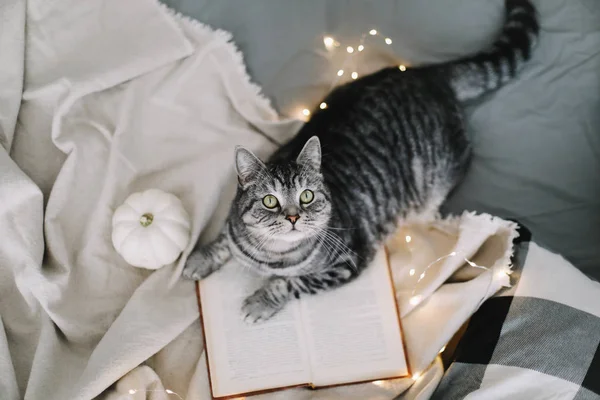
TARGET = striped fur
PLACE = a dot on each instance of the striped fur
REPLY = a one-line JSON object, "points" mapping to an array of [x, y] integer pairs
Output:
{"points": [[473, 76], [388, 146]]}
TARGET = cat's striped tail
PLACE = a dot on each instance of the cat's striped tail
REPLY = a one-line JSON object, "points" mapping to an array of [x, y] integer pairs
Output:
{"points": [[475, 75]]}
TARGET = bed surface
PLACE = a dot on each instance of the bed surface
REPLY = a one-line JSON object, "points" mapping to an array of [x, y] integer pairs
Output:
{"points": [[95, 108], [536, 141]]}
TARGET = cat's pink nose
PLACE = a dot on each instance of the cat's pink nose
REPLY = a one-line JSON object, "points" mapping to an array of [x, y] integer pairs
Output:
{"points": [[292, 218]]}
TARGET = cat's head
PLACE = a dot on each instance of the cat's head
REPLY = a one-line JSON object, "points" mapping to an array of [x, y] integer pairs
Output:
{"points": [[283, 202]]}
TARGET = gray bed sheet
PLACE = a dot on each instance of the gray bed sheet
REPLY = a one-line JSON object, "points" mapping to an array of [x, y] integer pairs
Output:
{"points": [[536, 141]]}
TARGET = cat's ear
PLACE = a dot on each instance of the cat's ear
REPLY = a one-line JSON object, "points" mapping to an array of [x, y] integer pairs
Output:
{"points": [[247, 165], [311, 153]]}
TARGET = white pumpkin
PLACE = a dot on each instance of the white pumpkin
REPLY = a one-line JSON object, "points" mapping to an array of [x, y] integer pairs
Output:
{"points": [[150, 229]]}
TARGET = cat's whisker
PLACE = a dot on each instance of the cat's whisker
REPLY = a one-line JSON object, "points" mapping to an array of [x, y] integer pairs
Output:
{"points": [[338, 245], [327, 247], [340, 229], [337, 239], [318, 234], [350, 254], [265, 239]]}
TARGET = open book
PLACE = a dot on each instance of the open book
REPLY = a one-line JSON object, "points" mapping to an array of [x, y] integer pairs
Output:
{"points": [[347, 335]]}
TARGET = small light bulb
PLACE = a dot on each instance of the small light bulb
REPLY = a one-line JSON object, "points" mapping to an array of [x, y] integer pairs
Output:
{"points": [[402, 67], [328, 41], [415, 300], [340, 72], [373, 32], [416, 376], [422, 276], [411, 272], [442, 350], [388, 40], [350, 49], [408, 239], [132, 391], [323, 105], [361, 47], [169, 391], [354, 75], [378, 383], [453, 253], [306, 112]]}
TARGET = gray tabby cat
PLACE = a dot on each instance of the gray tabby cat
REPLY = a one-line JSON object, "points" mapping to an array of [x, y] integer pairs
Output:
{"points": [[389, 145]]}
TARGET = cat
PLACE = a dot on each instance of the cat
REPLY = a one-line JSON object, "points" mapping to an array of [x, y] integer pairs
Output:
{"points": [[387, 146]]}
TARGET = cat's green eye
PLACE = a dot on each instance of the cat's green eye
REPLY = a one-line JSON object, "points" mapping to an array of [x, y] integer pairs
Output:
{"points": [[270, 201], [306, 196]]}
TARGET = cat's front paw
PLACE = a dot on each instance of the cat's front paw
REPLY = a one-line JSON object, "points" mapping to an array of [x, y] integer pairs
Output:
{"points": [[198, 266], [257, 308]]}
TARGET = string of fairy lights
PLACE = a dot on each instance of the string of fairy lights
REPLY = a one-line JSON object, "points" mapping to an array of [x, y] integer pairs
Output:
{"points": [[499, 274], [416, 299], [353, 52]]}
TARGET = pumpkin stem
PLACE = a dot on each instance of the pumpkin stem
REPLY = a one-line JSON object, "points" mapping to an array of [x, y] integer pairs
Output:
{"points": [[146, 219]]}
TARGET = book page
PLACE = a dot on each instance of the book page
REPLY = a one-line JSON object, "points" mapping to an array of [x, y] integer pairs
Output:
{"points": [[246, 358], [353, 332]]}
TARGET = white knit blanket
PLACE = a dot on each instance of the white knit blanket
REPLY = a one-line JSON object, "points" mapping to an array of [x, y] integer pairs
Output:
{"points": [[114, 97]]}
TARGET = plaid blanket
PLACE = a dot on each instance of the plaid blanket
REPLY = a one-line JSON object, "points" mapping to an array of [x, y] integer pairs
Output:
{"points": [[537, 340]]}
